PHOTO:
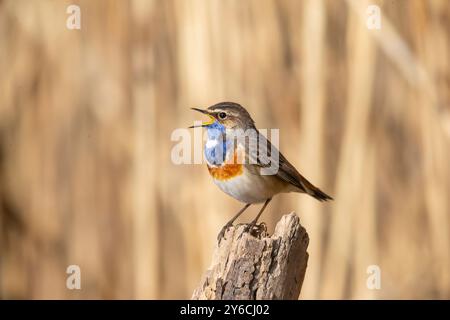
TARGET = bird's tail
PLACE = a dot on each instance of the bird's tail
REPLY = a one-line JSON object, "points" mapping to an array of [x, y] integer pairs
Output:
{"points": [[319, 194], [313, 191]]}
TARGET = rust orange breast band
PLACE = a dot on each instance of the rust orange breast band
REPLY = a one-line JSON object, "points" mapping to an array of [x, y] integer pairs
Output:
{"points": [[227, 170]]}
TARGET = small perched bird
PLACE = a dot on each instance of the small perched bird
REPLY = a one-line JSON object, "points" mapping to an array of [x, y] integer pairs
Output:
{"points": [[238, 170]]}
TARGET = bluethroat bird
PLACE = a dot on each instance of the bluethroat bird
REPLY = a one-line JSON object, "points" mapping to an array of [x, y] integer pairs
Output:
{"points": [[238, 169]]}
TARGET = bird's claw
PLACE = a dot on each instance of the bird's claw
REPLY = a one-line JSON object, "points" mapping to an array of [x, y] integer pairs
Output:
{"points": [[254, 229], [259, 230], [221, 234]]}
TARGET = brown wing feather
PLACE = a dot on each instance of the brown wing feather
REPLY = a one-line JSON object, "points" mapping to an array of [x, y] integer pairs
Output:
{"points": [[286, 171]]}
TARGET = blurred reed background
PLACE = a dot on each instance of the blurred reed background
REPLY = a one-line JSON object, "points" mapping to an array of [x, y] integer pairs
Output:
{"points": [[86, 118]]}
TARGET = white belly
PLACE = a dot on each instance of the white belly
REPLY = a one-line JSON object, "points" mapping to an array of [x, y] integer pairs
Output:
{"points": [[251, 188]]}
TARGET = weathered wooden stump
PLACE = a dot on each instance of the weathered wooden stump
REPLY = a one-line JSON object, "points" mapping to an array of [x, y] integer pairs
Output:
{"points": [[262, 267]]}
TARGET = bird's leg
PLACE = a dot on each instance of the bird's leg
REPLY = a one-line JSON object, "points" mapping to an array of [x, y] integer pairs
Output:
{"points": [[252, 224], [230, 223]]}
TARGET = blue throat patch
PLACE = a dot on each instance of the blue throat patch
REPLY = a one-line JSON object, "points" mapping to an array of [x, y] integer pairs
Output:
{"points": [[216, 155]]}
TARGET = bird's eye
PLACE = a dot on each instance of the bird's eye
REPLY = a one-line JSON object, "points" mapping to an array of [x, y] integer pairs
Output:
{"points": [[222, 115]]}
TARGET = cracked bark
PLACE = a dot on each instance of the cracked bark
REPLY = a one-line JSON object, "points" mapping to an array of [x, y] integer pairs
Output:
{"points": [[261, 267]]}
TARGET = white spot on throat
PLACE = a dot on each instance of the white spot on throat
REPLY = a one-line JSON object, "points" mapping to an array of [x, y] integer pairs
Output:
{"points": [[211, 143]]}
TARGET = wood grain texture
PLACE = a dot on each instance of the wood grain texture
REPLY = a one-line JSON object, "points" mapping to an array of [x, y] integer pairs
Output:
{"points": [[261, 268]]}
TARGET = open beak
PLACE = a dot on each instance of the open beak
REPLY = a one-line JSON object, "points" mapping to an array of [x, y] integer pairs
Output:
{"points": [[204, 124]]}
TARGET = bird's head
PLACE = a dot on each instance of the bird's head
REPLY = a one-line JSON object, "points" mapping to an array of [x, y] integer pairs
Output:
{"points": [[228, 115]]}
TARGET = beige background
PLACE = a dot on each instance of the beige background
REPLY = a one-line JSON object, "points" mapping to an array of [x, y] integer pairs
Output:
{"points": [[86, 118]]}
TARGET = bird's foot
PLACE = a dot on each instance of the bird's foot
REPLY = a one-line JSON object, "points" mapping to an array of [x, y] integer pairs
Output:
{"points": [[221, 234], [259, 230], [255, 230]]}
